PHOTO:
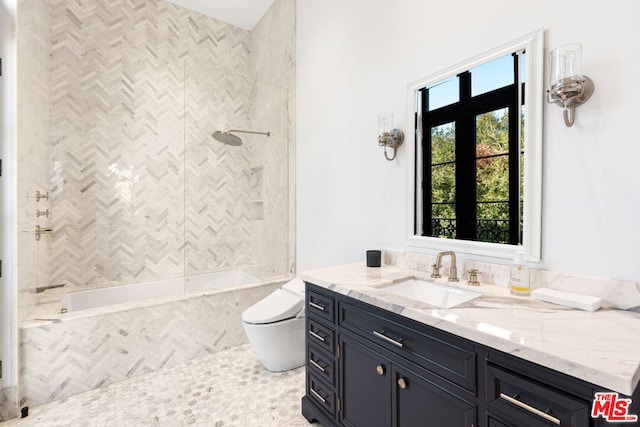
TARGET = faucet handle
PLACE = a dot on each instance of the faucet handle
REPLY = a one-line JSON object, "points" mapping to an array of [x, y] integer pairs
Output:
{"points": [[435, 274], [473, 277]]}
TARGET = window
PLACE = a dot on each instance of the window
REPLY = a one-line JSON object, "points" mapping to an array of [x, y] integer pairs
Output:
{"points": [[475, 79], [472, 154]]}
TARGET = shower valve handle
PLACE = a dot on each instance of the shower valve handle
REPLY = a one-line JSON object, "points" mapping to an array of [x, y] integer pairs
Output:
{"points": [[39, 231], [40, 196]]}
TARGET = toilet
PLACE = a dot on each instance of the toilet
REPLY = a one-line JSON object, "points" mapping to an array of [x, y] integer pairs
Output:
{"points": [[275, 327]]}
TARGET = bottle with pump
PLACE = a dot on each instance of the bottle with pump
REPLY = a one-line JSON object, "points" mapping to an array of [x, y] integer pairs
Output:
{"points": [[519, 276]]}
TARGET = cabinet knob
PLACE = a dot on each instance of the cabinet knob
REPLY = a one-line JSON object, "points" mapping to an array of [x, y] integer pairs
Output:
{"points": [[380, 369], [402, 383]]}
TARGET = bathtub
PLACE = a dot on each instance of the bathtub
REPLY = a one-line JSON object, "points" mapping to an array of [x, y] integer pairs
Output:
{"points": [[115, 333], [113, 295]]}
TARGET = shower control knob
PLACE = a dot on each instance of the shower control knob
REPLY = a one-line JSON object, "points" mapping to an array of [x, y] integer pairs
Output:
{"points": [[41, 196]]}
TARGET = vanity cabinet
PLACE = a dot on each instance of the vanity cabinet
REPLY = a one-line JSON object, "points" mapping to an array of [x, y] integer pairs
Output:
{"points": [[365, 369], [321, 399], [518, 393], [379, 389], [368, 367]]}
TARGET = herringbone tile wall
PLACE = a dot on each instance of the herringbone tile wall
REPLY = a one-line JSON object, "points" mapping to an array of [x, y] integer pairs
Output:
{"points": [[34, 130], [139, 189], [65, 358], [118, 102], [138, 89]]}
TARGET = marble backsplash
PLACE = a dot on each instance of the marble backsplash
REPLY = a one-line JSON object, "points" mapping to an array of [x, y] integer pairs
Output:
{"points": [[614, 293]]}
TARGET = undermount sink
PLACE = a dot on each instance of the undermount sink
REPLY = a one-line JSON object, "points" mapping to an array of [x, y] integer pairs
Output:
{"points": [[431, 293]]}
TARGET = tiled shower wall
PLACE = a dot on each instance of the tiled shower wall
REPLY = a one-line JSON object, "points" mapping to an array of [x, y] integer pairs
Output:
{"points": [[139, 188], [273, 109], [34, 129]]}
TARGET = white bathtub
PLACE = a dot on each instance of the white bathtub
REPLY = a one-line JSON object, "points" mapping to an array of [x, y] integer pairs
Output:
{"points": [[113, 295]]}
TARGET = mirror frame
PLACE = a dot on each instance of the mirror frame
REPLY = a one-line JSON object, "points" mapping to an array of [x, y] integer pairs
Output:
{"points": [[533, 43]]}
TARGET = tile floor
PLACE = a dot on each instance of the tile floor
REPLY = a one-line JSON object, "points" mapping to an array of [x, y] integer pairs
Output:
{"points": [[226, 389]]}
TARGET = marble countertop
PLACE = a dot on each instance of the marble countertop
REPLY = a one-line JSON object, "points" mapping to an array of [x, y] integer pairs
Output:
{"points": [[601, 347]]}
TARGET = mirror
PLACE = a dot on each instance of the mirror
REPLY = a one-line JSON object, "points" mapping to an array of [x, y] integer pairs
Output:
{"points": [[475, 160]]}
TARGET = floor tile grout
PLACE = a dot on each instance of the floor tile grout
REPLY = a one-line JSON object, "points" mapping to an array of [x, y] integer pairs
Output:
{"points": [[226, 389]]}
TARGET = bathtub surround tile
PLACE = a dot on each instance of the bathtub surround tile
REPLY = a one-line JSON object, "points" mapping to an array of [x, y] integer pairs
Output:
{"points": [[65, 358], [121, 164], [118, 100], [273, 109], [8, 403], [229, 388], [33, 151], [218, 185], [121, 99]]}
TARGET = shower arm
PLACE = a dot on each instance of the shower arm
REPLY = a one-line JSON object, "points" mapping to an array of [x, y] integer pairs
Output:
{"points": [[249, 131]]}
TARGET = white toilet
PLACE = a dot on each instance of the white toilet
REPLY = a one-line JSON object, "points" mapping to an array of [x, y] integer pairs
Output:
{"points": [[275, 327]]}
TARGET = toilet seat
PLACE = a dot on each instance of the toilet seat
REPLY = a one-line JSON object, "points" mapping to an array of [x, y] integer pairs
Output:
{"points": [[279, 305]]}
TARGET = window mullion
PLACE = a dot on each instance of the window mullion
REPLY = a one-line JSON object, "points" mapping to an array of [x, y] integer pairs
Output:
{"points": [[466, 210], [514, 155], [427, 190]]}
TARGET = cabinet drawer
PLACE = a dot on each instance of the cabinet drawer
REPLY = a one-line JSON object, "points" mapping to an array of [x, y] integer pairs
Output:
{"points": [[523, 401], [320, 335], [321, 364], [492, 422], [320, 306], [320, 393], [456, 363]]}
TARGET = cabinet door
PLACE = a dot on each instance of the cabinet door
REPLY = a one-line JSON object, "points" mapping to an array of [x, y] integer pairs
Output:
{"points": [[365, 386], [420, 402], [492, 422]]}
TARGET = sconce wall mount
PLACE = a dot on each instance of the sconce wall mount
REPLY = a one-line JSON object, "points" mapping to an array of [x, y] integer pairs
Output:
{"points": [[568, 87], [570, 93]]}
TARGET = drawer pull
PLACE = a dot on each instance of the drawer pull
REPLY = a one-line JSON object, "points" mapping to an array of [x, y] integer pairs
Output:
{"points": [[380, 369], [387, 339], [529, 408], [317, 395], [316, 336], [316, 365], [317, 306], [402, 383]]}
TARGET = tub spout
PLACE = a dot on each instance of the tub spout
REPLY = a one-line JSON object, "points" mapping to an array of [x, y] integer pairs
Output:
{"points": [[41, 289]]}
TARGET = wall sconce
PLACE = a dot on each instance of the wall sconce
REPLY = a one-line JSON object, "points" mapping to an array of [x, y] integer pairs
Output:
{"points": [[388, 136], [568, 87]]}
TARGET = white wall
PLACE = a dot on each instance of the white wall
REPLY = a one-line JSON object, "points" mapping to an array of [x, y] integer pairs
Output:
{"points": [[355, 60], [7, 137]]}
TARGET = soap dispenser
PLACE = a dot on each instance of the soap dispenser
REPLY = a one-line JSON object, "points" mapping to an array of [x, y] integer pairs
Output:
{"points": [[519, 276]]}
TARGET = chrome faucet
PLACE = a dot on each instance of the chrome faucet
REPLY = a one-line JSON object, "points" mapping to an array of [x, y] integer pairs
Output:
{"points": [[453, 271]]}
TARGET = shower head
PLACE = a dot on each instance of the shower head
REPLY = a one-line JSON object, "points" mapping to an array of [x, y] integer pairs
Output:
{"points": [[227, 136]]}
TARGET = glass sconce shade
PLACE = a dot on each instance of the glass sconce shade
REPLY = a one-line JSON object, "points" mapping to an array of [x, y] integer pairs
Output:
{"points": [[565, 63], [385, 123], [388, 136], [568, 87]]}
